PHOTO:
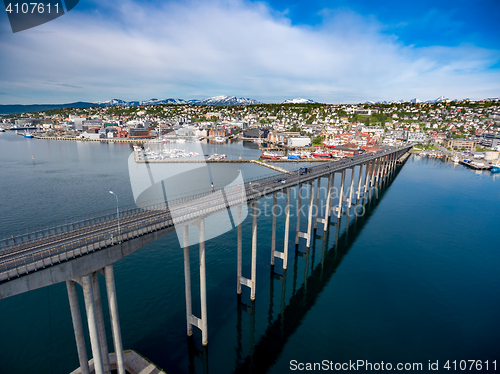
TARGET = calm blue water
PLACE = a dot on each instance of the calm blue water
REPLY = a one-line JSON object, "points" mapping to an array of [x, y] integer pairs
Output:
{"points": [[414, 279]]}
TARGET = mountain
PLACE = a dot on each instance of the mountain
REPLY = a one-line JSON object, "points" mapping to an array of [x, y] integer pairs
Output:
{"points": [[224, 101], [164, 101], [391, 102], [216, 101], [440, 99], [415, 101], [298, 100], [31, 108], [113, 102]]}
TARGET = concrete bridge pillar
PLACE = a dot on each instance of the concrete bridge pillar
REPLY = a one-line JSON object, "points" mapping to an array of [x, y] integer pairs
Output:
{"points": [[274, 253], [88, 294], [95, 319], [394, 160], [77, 326], [379, 169], [387, 167], [273, 235], [382, 171], [373, 173], [358, 190], [316, 203], [250, 283], [328, 209], [306, 235], [115, 322], [299, 203], [310, 214], [203, 283], [192, 320], [239, 252], [100, 323], [254, 250], [367, 175], [349, 199], [187, 279], [341, 195]]}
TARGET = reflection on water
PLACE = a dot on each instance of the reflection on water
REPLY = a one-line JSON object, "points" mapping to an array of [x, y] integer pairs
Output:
{"points": [[265, 352]]}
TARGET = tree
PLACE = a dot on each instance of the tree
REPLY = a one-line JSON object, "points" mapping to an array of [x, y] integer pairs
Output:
{"points": [[318, 140]]}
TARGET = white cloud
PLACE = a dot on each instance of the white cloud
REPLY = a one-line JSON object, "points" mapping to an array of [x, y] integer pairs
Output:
{"points": [[199, 48]]}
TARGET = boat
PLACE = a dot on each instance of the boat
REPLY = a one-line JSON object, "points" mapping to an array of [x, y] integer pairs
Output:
{"points": [[321, 154], [219, 139], [455, 159], [268, 156], [495, 168], [294, 156], [28, 135], [2, 129], [258, 141]]}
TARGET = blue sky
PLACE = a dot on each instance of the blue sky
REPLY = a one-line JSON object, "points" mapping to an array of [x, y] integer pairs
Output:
{"points": [[328, 51]]}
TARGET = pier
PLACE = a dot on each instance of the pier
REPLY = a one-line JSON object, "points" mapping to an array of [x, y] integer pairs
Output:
{"points": [[475, 166], [80, 252]]}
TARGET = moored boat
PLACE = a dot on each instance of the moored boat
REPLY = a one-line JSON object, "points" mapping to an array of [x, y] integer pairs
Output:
{"points": [[321, 154], [268, 156], [495, 168]]}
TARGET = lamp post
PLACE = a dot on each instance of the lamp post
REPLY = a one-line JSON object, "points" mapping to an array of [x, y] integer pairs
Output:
{"points": [[117, 212]]}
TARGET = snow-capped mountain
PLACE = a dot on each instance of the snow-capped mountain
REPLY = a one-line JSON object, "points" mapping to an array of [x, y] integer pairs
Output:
{"points": [[216, 100], [391, 102], [415, 101], [164, 101], [224, 101], [298, 100], [440, 99], [113, 102]]}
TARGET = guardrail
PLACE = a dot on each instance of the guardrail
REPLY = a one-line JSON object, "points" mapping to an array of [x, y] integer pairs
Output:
{"points": [[160, 217]]}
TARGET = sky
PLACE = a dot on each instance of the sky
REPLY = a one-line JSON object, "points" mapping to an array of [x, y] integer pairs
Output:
{"points": [[329, 51]]}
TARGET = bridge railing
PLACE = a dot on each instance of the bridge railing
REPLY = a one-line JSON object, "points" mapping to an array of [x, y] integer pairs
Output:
{"points": [[31, 234]]}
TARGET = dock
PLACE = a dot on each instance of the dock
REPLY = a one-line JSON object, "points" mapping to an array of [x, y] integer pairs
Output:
{"points": [[403, 158], [272, 167], [104, 140], [473, 165]]}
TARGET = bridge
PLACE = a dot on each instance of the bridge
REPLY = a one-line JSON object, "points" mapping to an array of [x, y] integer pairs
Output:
{"points": [[78, 251]]}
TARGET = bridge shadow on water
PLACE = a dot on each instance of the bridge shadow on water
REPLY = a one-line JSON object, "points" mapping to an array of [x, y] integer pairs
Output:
{"points": [[264, 353]]}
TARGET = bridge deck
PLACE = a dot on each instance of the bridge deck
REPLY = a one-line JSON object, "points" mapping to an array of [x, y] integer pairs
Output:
{"points": [[29, 252]]}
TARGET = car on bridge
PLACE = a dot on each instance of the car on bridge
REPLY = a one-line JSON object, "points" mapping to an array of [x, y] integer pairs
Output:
{"points": [[304, 170]]}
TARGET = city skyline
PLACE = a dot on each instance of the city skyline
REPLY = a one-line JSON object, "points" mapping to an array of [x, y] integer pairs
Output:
{"points": [[268, 51]]}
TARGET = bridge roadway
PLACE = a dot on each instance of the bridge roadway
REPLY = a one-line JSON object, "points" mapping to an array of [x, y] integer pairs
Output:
{"points": [[28, 253], [78, 252]]}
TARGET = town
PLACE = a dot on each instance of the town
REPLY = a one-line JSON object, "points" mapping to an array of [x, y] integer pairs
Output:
{"points": [[441, 127]]}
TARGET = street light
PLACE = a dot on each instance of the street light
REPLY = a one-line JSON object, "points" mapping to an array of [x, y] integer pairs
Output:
{"points": [[117, 212]]}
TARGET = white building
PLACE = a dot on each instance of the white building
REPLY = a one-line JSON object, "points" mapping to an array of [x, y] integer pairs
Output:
{"points": [[416, 137], [299, 141], [373, 129]]}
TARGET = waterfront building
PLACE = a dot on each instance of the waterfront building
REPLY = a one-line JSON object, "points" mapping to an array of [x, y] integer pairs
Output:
{"points": [[467, 144]]}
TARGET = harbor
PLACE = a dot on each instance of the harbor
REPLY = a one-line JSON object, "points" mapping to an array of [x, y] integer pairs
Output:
{"points": [[346, 283]]}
